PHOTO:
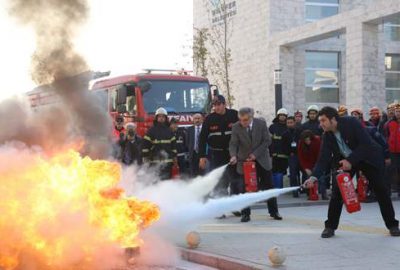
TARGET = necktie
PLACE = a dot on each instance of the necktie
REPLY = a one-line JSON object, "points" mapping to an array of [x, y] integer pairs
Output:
{"points": [[249, 132], [196, 140]]}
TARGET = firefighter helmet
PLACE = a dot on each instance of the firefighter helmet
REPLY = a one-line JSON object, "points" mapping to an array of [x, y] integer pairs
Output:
{"points": [[161, 111], [313, 108], [282, 111]]}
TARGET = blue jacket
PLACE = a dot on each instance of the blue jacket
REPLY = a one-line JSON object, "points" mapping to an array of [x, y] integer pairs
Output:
{"points": [[364, 148]]}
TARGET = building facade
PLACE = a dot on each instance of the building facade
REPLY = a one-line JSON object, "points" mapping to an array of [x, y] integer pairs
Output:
{"points": [[330, 52]]}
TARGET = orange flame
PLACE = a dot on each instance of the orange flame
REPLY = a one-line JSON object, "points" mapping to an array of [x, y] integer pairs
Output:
{"points": [[64, 209]]}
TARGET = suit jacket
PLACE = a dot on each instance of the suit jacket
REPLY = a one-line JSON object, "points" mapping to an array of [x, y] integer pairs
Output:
{"points": [[190, 140], [363, 148], [241, 145]]}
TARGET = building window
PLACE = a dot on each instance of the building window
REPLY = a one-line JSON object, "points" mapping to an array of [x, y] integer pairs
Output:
{"points": [[322, 77], [392, 29], [392, 66], [319, 9]]}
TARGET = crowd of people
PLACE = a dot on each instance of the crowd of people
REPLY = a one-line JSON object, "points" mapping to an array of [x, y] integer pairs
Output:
{"points": [[291, 146]]}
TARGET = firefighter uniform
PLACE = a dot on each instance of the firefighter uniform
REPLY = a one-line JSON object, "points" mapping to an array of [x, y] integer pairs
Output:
{"points": [[181, 148], [216, 134], [159, 148]]}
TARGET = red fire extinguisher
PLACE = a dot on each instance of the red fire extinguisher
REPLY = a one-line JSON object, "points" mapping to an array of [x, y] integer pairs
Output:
{"points": [[313, 192], [362, 188], [349, 195], [175, 172], [250, 176]]}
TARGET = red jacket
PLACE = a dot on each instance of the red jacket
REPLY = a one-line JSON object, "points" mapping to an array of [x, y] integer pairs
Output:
{"points": [[308, 155], [393, 130]]}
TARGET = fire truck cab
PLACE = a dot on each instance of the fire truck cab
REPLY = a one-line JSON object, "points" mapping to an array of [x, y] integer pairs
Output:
{"points": [[138, 96]]}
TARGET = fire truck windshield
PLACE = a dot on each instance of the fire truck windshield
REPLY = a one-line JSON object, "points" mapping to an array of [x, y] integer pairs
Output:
{"points": [[177, 97]]}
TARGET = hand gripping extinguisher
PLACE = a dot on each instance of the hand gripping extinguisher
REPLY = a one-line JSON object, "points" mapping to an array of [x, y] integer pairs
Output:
{"points": [[313, 192], [362, 188], [349, 195], [250, 176]]}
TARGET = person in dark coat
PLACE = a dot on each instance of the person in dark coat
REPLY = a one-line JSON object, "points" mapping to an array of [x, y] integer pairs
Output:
{"points": [[192, 141], [131, 147], [294, 166], [280, 147], [348, 146], [159, 146], [312, 123]]}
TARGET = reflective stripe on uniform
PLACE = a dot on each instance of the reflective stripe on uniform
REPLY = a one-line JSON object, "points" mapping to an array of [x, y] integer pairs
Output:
{"points": [[181, 154], [276, 137], [280, 155], [228, 132], [162, 141], [174, 151], [147, 138], [145, 150], [179, 141], [162, 161], [215, 134]]}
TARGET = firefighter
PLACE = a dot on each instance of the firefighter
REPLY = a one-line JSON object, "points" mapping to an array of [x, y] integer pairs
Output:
{"points": [[181, 148], [294, 166], [312, 123], [280, 147], [159, 145], [393, 128], [216, 134]]}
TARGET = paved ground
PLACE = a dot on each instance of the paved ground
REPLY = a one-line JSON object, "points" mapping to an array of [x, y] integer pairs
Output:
{"points": [[362, 242]]}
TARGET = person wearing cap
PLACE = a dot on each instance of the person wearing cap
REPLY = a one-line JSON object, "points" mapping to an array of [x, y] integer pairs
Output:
{"points": [[298, 117], [131, 146], [216, 133], [393, 128], [181, 148], [280, 147], [346, 144], [312, 123], [159, 145]]}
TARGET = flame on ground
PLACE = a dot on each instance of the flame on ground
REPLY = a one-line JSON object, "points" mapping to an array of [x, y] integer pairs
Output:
{"points": [[64, 209]]}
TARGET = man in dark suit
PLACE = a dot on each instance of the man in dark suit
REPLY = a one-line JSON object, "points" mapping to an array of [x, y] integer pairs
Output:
{"points": [[250, 141], [347, 146], [192, 140]]}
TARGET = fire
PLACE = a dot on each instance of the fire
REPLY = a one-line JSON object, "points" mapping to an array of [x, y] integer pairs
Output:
{"points": [[64, 209]]}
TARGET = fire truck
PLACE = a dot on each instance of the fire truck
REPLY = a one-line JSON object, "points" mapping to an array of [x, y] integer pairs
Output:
{"points": [[137, 97]]}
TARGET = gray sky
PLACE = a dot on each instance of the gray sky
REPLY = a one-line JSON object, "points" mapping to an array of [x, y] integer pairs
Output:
{"points": [[123, 36]]}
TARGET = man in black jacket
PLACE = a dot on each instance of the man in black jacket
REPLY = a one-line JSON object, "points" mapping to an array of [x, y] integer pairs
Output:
{"points": [[131, 146], [192, 141], [216, 134], [312, 123], [347, 144]]}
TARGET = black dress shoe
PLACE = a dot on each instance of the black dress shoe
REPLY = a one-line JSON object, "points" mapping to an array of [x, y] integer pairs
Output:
{"points": [[394, 231], [276, 216], [327, 233], [221, 217], [236, 213], [245, 219]]}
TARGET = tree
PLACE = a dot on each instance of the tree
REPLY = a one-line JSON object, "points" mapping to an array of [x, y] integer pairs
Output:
{"points": [[200, 51], [220, 34]]}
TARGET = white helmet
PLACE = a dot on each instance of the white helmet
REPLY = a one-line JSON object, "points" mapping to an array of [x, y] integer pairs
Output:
{"points": [[282, 111], [161, 111], [313, 108]]}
